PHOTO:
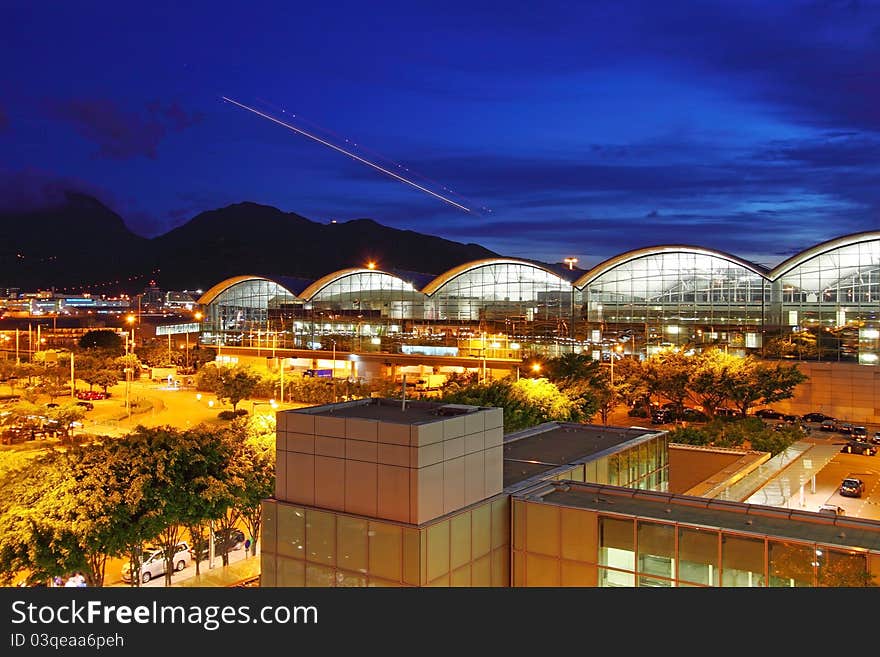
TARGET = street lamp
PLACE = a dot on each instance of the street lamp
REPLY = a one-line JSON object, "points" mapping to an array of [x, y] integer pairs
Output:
{"points": [[618, 348]]}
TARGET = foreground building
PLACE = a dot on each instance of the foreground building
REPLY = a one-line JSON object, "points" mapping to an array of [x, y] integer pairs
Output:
{"points": [[381, 492], [645, 299]]}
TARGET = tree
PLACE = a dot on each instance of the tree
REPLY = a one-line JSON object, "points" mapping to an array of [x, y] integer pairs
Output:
{"points": [[103, 378], [189, 484], [64, 417], [764, 383], [253, 468], [236, 385], [525, 403], [103, 339], [667, 374], [714, 377], [774, 441]]}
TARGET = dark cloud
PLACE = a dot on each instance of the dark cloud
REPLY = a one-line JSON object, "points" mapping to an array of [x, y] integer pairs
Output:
{"points": [[38, 190], [121, 134], [820, 60]]}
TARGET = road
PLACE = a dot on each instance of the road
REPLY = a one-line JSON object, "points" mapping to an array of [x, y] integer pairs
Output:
{"points": [[179, 407]]}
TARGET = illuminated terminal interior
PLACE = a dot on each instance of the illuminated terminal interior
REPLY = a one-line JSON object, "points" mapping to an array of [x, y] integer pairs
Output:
{"points": [[819, 304]]}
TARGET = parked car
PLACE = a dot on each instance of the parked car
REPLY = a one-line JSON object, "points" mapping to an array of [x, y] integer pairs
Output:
{"points": [[852, 487], [816, 417], [768, 414], [859, 447], [791, 419], [843, 427], [832, 510], [92, 394], [726, 412], [153, 562], [661, 416], [828, 425], [694, 415], [86, 405], [876, 438], [859, 433], [232, 539]]}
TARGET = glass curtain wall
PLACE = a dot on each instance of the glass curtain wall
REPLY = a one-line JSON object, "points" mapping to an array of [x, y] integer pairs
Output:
{"points": [[829, 304], [674, 298], [240, 315], [363, 305], [519, 299], [643, 553]]}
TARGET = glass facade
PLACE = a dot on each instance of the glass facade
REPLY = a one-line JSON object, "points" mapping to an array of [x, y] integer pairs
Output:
{"points": [[644, 466], [618, 550], [368, 295], [304, 546], [239, 315], [503, 292], [821, 304], [666, 297], [832, 298]]}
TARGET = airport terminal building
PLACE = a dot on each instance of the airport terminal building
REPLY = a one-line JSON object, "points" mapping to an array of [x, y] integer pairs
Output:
{"points": [[645, 299]]}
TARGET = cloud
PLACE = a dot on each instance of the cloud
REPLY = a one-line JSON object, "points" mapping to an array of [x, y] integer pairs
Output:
{"points": [[32, 189], [121, 134]]}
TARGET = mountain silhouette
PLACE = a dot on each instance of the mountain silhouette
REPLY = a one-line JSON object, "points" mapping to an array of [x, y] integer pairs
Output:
{"points": [[82, 244]]}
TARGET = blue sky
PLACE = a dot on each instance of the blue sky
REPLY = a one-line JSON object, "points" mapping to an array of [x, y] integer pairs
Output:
{"points": [[570, 129]]}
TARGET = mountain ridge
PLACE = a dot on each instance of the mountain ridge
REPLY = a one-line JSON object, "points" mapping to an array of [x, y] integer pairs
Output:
{"points": [[82, 244]]}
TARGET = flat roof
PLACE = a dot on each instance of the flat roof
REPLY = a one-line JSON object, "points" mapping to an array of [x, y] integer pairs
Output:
{"points": [[740, 517], [548, 446], [391, 410]]}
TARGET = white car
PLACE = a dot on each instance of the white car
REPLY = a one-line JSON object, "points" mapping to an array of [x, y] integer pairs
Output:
{"points": [[153, 562]]}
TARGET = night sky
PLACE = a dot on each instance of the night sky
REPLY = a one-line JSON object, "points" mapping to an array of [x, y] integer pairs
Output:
{"points": [[569, 129]]}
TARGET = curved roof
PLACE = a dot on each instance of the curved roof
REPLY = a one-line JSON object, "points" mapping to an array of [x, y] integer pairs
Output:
{"points": [[447, 276], [799, 258], [224, 285], [332, 277], [635, 254]]}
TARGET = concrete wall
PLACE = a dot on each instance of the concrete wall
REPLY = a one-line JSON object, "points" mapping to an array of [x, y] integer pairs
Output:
{"points": [[398, 472], [847, 391]]}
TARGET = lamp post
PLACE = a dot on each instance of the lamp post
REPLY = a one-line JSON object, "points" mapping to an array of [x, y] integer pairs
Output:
{"points": [[616, 349], [129, 343]]}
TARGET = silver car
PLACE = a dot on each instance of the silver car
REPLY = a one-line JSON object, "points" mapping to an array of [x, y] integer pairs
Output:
{"points": [[153, 562]]}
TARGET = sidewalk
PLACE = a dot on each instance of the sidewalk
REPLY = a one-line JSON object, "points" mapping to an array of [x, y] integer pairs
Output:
{"points": [[231, 575]]}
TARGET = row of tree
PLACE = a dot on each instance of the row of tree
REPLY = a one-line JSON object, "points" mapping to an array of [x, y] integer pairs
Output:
{"points": [[71, 510]]}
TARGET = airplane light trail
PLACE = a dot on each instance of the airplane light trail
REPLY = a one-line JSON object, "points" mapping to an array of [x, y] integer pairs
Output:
{"points": [[350, 154]]}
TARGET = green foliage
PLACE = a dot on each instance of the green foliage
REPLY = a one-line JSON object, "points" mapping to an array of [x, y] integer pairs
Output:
{"points": [[103, 339], [525, 403], [689, 436], [774, 442], [711, 379], [236, 385]]}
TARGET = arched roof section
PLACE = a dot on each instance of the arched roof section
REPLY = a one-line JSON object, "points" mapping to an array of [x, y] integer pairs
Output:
{"points": [[455, 272], [839, 242], [315, 288], [224, 285], [611, 263]]}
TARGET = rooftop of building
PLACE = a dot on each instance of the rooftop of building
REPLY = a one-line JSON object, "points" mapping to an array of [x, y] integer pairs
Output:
{"points": [[736, 517], [391, 410], [538, 450]]}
